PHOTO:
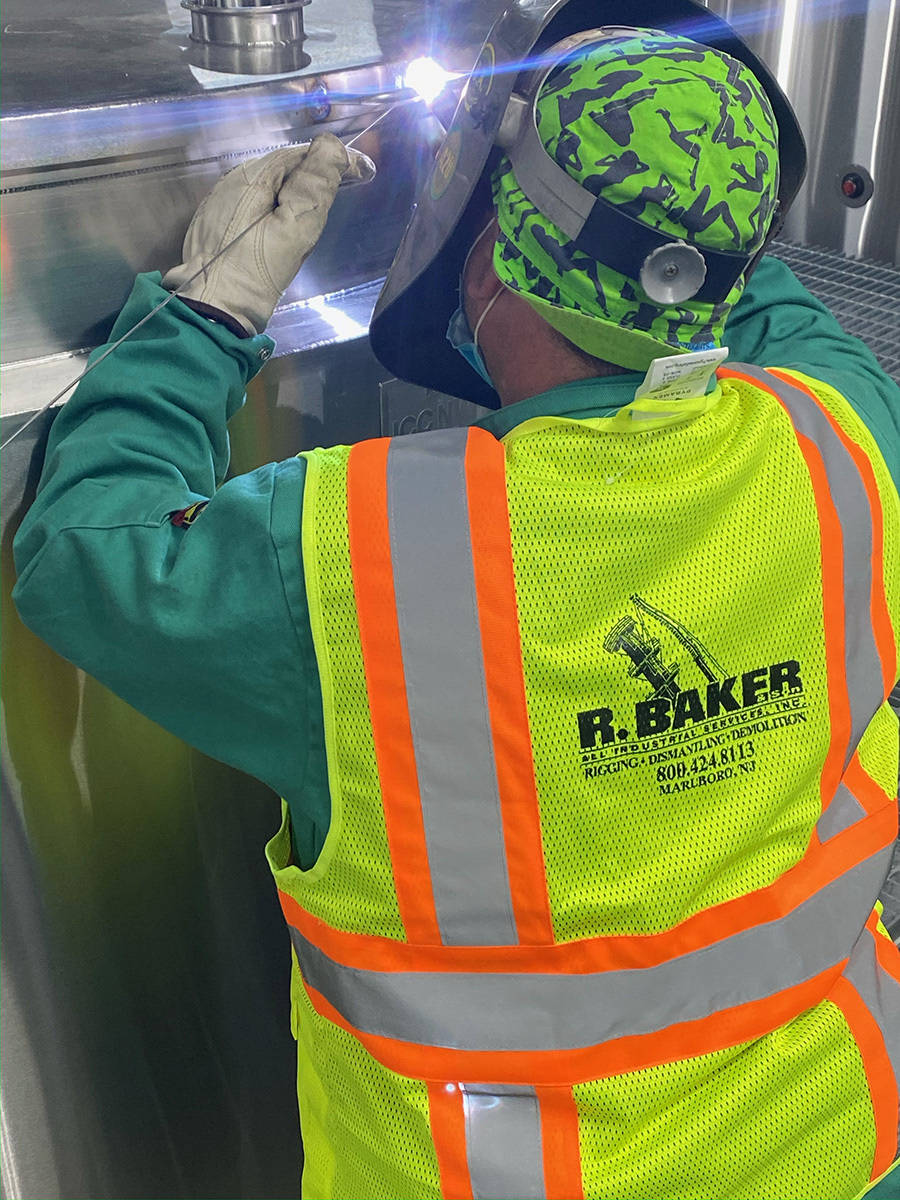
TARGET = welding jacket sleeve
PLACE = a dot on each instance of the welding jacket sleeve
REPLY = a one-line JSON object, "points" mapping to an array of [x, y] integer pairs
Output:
{"points": [[205, 628], [778, 323], [190, 625]]}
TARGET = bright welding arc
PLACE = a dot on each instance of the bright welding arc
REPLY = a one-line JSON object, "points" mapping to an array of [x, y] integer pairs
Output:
{"points": [[427, 78]]}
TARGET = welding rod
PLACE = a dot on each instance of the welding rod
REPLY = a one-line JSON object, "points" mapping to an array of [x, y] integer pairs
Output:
{"points": [[162, 304]]}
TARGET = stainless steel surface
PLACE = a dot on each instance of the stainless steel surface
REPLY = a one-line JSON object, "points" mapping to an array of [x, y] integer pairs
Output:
{"points": [[36, 1035], [74, 380], [406, 408], [145, 963], [238, 4], [146, 1044], [248, 37], [61, 56], [839, 61], [76, 232], [251, 28], [95, 191], [113, 346], [314, 324]]}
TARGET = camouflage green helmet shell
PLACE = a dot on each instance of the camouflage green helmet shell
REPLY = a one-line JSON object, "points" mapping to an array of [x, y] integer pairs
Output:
{"points": [[680, 136]]}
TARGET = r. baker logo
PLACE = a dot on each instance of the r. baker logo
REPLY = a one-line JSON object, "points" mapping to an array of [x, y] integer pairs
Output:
{"points": [[674, 722]]}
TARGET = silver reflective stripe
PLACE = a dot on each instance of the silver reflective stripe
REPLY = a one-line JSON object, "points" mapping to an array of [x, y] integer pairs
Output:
{"points": [[865, 684], [496, 1011], [503, 1142], [440, 640], [880, 991], [843, 811]]}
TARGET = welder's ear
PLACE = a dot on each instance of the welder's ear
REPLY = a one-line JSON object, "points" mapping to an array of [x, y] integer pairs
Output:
{"points": [[480, 278]]}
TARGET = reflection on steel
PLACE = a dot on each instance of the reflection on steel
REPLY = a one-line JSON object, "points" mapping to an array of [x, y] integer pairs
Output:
{"points": [[348, 328], [78, 229], [146, 1038], [125, 336], [839, 62], [248, 37]]}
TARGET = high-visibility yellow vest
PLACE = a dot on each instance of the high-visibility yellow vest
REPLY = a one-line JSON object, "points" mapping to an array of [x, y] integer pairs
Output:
{"points": [[613, 786]]}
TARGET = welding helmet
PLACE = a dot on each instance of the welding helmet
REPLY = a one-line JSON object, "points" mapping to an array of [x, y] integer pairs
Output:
{"points": [[665, 271]]}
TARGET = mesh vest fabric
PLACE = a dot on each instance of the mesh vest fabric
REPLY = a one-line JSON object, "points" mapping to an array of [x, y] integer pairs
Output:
{"points": [[365, 1129], [689, 520]]}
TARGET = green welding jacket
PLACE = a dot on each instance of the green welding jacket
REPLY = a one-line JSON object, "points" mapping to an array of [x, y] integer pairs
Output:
{"points": [[205, 627]]}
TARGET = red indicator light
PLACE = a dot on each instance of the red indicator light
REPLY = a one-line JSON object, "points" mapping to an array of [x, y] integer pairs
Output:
{"points": [[852, 186]]}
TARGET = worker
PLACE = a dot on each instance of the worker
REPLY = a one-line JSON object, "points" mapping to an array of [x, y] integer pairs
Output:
{"points": [[579, 714]]}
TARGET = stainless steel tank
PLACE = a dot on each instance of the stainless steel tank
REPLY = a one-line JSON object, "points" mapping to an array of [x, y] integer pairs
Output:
{"points": [[839, 61], [145, 1032]]}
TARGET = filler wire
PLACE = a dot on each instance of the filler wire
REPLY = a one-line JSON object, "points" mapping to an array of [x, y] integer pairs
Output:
{"points": [[109, 349], [162, 304]]}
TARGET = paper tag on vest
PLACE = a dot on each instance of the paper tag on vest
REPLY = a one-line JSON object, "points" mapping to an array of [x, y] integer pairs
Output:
{"points": [[680, 376]]}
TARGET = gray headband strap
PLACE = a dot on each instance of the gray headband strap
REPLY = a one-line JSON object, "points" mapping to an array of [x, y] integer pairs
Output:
{"points": [[605, 232]]}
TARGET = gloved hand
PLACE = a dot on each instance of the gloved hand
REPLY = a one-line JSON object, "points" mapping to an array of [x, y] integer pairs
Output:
{"points": [[296, 187]]}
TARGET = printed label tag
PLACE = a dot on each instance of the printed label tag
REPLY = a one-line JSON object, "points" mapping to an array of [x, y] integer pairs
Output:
{"points": [[680, 376]]}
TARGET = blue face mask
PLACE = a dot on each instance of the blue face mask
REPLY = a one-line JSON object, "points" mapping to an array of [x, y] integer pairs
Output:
{"points": [[459, 331], [461, 338]]}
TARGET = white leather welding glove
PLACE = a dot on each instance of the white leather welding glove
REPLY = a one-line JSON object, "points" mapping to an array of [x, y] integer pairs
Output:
{"points": [[296, 187]]}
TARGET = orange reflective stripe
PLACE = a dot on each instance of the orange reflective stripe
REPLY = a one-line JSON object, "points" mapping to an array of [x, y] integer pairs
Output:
{"points": [[820, 866], [877, 1065], [533, 1014], [832, 562], [373, 581], [881, 617], [552, 1068], [561, 1144], [505, 682], [448, 1130]]}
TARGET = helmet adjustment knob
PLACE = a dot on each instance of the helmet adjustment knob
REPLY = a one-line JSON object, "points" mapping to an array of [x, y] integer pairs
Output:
{"points": [[671, 274]]}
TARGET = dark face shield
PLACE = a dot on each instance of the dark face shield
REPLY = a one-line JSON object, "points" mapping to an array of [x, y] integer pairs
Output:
{"points": [[408, 331]]}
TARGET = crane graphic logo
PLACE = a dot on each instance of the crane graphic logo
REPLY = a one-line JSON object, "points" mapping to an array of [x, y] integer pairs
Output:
{"points": [[631, 637], [673, 704]]}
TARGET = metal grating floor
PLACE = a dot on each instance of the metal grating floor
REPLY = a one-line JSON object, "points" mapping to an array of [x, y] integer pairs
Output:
{"points": [[863, 295]]}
